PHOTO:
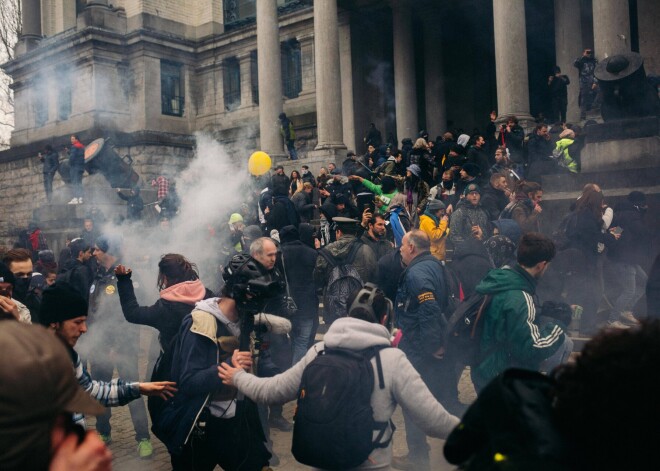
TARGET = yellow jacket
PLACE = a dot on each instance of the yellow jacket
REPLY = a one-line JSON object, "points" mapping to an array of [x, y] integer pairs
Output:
{"points": [[437, 234]]}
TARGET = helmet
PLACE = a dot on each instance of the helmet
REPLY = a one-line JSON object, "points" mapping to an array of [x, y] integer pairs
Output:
{"points": [[248, 283], [365, 300]]}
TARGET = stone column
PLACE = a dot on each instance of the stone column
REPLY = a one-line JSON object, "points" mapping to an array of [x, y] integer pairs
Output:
{"points": [[328, 76], [568, 47], [346, 69], [307, 57], [405, 86], [648, 12], [270, 77], [611, 28], [31, 26], [245, 64], [434, 82], [511, 59]]}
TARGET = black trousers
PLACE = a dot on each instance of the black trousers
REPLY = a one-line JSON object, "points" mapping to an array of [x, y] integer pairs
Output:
{"points": [[236, 444]]}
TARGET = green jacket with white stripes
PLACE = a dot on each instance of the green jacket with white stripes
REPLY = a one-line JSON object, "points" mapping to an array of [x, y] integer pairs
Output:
{"points": [[512, 336]]}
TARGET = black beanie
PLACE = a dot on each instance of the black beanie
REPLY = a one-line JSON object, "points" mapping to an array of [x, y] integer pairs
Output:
{"points": [[61, 302], [471, 169], [388, 185]]}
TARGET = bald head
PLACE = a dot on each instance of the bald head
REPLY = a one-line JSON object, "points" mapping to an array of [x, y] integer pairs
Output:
{"points": [[264, 251]]}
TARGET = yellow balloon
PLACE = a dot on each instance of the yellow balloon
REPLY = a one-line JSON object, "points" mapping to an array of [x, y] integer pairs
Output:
{"points": [[259, 163]]}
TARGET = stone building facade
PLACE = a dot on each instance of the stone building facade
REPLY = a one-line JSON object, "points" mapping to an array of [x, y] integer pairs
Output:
{"points": [[149, 74]]}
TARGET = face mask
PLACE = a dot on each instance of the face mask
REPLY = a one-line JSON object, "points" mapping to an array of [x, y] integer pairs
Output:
{"points": [[21, 286], [448, 184]]}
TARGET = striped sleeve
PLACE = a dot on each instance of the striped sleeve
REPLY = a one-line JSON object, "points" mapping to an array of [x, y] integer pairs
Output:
{"points": [[113, 393]]}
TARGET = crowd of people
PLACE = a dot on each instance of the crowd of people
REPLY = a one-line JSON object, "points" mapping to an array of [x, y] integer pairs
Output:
{"points": [[386, 248]]}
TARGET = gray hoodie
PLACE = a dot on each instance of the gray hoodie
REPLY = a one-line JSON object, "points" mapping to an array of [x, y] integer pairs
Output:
{"points": [[218, 408], [403, 385]]}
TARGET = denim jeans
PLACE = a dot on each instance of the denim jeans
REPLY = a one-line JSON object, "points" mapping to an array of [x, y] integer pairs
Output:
{"points": [[559, 357], [302, 335], [633, 283], [290, 145]]}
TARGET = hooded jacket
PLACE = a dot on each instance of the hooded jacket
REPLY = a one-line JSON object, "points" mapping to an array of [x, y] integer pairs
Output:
{"points": [[437, 231], [403, 385], [166, 314], [197, 353], [461, 222], [512, 336]]}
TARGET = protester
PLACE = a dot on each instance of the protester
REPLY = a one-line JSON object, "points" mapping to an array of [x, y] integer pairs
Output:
{"points": [[401, 383], [38, 434], [512, 335], [51, 161]]}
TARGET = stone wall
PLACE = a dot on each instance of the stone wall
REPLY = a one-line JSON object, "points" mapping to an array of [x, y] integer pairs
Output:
{"points": [[24, 198]]}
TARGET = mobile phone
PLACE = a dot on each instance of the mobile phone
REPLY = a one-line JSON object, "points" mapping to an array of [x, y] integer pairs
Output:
{"points": [[616, 230]]}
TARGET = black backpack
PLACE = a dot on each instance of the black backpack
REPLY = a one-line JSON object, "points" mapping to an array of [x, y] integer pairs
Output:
{"points": [[334, 424], [162, 372], [342, 281], [465, 327], [565, 231]]}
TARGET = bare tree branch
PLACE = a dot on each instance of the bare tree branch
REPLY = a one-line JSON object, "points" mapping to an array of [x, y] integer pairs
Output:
{"points": [[10, 31]]}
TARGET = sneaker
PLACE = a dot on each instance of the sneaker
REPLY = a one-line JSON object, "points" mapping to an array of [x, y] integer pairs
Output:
{"points": [[73, 201], [280, 423], [628, 318], [617, 325], [408, 464], [107, 439], [145, 449]]}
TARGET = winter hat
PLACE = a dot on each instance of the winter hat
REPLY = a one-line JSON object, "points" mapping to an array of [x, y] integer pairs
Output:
{"points": [[470, 188], [109, 245], [289, 234], [252, 232], [637, 198], [415, 170], [435, 205], [46, 256], [509, 228], [235, 217], [463, 140], [61, 302], [471, 169], [388, 185]]}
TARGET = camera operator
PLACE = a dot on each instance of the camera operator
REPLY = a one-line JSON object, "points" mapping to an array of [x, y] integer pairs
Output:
{"points": [[207, 423]]}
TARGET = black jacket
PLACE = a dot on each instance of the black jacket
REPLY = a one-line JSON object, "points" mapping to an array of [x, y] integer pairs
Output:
{"points": [[479, 157], [584, 233], [299, 262], [634, 245], [51, 162], [390, 268], [279, 185], [165, 316], [539, 149], [78, 275], [493, 201]]}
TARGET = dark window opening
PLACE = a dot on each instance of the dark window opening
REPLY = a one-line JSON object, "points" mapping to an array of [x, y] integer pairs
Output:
{"points": [[40, 103], [254, 77], [291, 68], [171, 85], [64, 95], [232, 83]]}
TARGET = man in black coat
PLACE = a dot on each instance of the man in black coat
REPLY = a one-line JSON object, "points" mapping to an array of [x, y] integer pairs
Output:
{"points": [[279, 182], [495, 196], [77, 271], [299, 261], [477, 155], [539, 155], [557, 85], [51, 161]]}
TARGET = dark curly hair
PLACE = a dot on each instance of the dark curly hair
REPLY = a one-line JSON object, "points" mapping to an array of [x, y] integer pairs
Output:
{"points": [[607, 401], [174, 268]]}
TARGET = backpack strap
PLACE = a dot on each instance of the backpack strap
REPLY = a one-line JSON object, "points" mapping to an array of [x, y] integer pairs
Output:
{"points": [[381, 427], [355, 246], [482, 308], [328, 257]]}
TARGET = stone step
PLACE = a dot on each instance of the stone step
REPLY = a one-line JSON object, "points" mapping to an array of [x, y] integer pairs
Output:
{"points": [[555, 185]]}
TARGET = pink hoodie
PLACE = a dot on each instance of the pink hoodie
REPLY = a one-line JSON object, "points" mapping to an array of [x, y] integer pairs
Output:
{"points": [[187, 292]]}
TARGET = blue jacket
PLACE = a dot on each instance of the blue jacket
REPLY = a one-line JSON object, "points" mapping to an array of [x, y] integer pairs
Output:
{"points": [[420, 302], [197, 355], [76, 156]]}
